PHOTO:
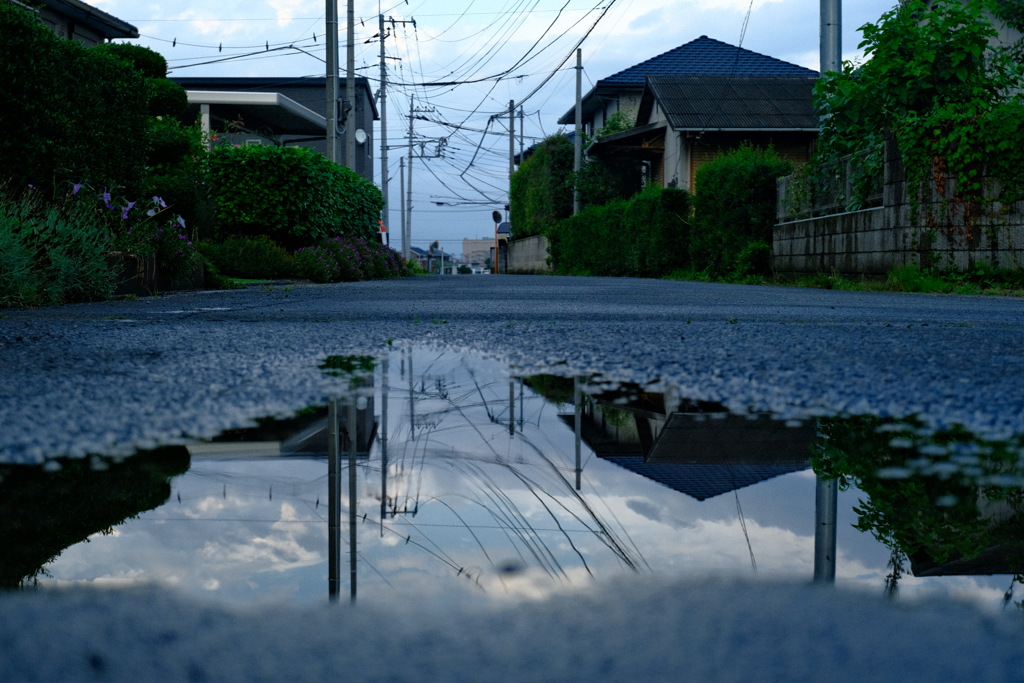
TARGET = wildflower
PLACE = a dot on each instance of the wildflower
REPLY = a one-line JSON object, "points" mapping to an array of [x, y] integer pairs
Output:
{"points": [[76, 187], [157, 201], [124, 212]]}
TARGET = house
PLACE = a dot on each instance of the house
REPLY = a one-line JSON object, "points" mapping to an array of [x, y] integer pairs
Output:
{"points": [[75, 20], [621, 92], [287, 111], [685, 121]]}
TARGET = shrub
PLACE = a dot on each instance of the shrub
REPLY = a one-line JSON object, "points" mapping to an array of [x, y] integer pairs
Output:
{"points": [[251, 257], [348, 259], [734, 206], [68, 110], [646, 236], [292, 194]]}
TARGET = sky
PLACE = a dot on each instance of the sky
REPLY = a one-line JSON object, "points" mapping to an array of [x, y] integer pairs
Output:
{"points": [[489, 52]]}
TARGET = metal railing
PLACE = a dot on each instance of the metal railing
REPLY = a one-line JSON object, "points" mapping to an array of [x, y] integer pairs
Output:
{"points": [[853, 183]]}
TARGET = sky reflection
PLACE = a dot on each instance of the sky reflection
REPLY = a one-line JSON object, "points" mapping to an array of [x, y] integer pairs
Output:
{"points": [[468, 508]]}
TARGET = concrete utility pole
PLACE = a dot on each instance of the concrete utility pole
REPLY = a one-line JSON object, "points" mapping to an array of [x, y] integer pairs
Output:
{"points": [[408, 187], [577, 158], [511, 138], [831, 35], [826, 492], [401, 197], [384, 131], [350, 89], [332, 80]]}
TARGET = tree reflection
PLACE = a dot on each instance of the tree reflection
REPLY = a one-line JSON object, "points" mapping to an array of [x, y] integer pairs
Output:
{"points": [[45, 509], [944, 500]]}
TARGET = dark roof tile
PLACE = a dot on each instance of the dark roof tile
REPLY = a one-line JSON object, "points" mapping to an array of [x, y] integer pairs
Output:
{"points": [[706, 56]]}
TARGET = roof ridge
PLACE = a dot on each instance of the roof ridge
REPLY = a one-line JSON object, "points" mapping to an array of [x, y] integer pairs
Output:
{"points": [[698, 53]]}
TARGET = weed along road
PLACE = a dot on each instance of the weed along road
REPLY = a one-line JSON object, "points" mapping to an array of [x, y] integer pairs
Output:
{"points": [[108, 376]]}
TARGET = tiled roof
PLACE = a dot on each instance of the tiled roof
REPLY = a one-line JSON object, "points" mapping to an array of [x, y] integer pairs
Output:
{"points": [[703, 481], [706, 56], [717, 102]]}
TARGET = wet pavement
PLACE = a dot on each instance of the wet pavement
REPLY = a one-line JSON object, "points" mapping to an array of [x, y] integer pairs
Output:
{"points": [[110, 377]]}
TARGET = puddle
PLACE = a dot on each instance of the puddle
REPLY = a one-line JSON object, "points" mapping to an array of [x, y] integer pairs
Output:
{"points": [[473, 485]]}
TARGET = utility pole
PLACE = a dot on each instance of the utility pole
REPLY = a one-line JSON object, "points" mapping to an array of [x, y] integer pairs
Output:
{"points": [[511, 139], [332, 80], [384, 131], [385, 210], [401, 197], [350, 89], [827, 490], [577, 143], [408, 187], [831, 35]]}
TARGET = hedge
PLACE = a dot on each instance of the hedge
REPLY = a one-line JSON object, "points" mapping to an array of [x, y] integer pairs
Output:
{"points": [[734, 211], [292, 194], [70, 113], [646, 236]]}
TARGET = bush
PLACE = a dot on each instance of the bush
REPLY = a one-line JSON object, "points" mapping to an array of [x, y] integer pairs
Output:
{"points": [[250, 257], [734, 206], [292, 194], [646, 236], [68, 110], [349, 259]]}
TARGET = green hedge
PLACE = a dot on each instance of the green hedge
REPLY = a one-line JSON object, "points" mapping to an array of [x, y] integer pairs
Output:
{"points": [[292, 194], [646, 236], [70, 113], [541, 189], [734, 211]]}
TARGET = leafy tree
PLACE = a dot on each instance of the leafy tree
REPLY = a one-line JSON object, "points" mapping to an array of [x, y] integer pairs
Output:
{"points": [[934, 83], [540, 194]]}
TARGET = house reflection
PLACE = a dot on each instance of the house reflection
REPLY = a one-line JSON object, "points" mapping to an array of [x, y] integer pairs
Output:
{"points": [[696, 448]]}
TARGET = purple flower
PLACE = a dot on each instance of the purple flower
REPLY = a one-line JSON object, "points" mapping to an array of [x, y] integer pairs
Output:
{"points": [[106, 199], [124, 212], [159, 202], [75, 188]]}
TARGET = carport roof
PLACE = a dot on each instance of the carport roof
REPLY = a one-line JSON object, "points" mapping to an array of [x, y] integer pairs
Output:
{"points": [[260, 110]]}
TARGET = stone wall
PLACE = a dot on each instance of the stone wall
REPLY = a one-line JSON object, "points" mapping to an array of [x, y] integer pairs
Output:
{"points": [[872, 242], [528, 256]]}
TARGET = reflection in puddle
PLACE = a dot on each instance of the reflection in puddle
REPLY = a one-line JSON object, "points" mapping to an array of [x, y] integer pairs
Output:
{"points": [[468, 484]]}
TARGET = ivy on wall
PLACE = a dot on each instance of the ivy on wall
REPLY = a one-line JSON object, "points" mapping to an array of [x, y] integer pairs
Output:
{"points": [[934, 82]]}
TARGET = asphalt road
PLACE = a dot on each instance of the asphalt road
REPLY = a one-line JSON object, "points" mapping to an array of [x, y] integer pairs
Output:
{"points": [[107, 377]]}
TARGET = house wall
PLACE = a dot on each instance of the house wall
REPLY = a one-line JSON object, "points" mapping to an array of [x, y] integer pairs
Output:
{"points": [[874, 241], [626, 102], [477, 251], [69, 30], [793, 146]]}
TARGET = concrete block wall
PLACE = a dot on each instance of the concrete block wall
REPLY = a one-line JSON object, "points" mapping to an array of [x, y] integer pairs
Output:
{"points": [[528, 256], [874, 241]]}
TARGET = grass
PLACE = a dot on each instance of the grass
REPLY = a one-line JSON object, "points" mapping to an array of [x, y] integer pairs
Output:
{"points": [[981, 280]]}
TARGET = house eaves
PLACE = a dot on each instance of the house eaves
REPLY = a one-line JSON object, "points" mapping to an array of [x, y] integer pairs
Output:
{"points": [[260, 110], [90, 17]]}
